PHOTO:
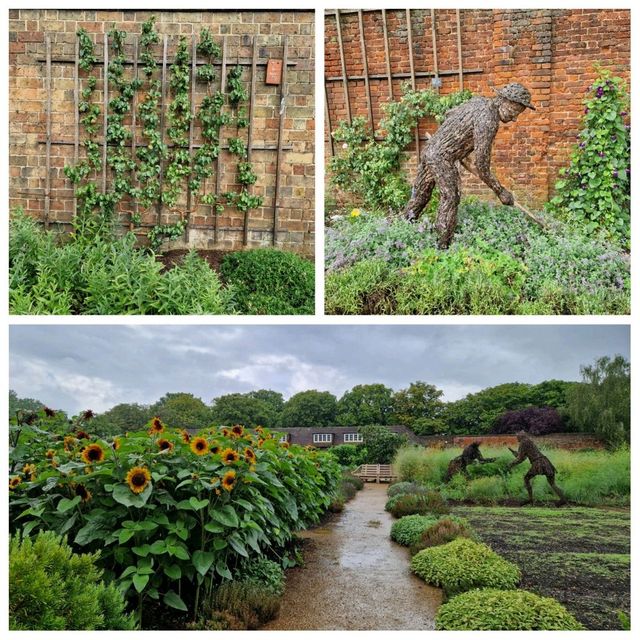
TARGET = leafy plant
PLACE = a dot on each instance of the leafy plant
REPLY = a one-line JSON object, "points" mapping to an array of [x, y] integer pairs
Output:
{"points": [[594, 190], [499, 610], [161, 232], [462, 565], [265, 572], [52, 588], [445, 530], [250, 603], [428, 502], [408, 529]]}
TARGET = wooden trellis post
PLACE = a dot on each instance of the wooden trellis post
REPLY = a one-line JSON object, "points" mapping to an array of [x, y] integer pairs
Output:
{"points": [[365, 65], [387, 56], [327, 117], [47, 183], [283, 95], [163, 106], [434, 42], [134, 109], [459, 39], [413, 78], [105, 115], [76, 118], [191, 125], [223, 85], [345, 81], [252, 97]]}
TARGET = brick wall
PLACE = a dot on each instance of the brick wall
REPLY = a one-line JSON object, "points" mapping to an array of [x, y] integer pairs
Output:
{"points": [[27, 30], [551, 51], [569, 441]]}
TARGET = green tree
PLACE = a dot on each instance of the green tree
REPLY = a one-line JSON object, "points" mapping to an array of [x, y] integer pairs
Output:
{"points": [[309, 409], [380, 444], [121, 418], [25, 404], [245, 409], [602, 403], [272, 398], [366, 404], [550, 393], [419, 407], [182, 410]]}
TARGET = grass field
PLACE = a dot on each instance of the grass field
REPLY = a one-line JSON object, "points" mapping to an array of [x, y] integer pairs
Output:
{"points": [[580, 556]]}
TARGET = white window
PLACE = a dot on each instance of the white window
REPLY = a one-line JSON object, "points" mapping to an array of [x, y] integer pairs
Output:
{"points": [[322, 437], [353, 437], [284, 438]]}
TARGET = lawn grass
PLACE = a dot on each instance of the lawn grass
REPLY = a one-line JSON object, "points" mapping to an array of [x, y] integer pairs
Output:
{"points": [[578, 555]]}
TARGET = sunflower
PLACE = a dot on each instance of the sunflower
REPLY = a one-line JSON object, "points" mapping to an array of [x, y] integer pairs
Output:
{"points": [[14, 481], [82, 435], [237, 430], [229, 456], [83, 492], [260, 442], [29, 471], [156, 426], [49, 413], [229, 480], [215, 448], [284, 445], [249, 455], [226, 432], [69, 442], [199, 446], [185, 436], [93, 453], [259, 429], [116, 443], [50, 453], [88, 415], [138, 478], [165, 445]]}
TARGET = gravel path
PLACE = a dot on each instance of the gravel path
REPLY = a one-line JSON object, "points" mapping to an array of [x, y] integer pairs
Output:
{"points": [[354, 577]]}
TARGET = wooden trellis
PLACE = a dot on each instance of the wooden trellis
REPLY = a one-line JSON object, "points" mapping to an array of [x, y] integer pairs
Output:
{"points": [[410, 74], [278, 149]]}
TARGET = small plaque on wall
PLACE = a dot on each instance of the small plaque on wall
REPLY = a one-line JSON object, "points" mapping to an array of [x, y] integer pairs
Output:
{"points": [[274, 72]]}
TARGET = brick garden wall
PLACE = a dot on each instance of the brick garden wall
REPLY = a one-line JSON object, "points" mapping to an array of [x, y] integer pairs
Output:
{"points": [[551, 51], [568, 441], [27, 30]]}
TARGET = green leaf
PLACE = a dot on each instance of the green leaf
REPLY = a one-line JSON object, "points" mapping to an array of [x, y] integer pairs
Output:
{"points": [[172, 599], [196, 504], [202, 561], [226, 516], [213, 528], [65, 504], [238, 545], [219, 544], [140, 581], [158, 547], [173, 571], [125, 534], [223, 570], [124, 495], [143, 550]]}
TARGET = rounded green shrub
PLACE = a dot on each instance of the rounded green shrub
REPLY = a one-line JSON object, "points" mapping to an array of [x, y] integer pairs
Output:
{"points": [[445, 530], [269, 281], [358, 483], [405, 504], [407, 530], [498, 610], [50, 587], [250, 603], [398, 488], [462, 565], [264, 572]]}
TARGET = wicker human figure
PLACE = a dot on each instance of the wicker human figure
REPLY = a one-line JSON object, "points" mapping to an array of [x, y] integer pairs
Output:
{"points": [[540, 466], [472, 126], [460, 463]]}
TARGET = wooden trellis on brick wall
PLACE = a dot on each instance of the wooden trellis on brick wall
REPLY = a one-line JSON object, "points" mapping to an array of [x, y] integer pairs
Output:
{"points": [[278, 149], [410, 74]]}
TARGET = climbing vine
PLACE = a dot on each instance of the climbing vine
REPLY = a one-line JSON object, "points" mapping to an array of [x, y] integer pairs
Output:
{"points": [[154, 152]]}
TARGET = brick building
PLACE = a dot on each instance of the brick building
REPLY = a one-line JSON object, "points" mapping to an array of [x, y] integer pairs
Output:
{"points": [[551, 51], [28, 33], [325, 437]]}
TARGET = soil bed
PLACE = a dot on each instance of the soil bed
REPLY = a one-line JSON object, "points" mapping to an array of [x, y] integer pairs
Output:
{"points": [[174, 256], [578, 555], [354, 577]]}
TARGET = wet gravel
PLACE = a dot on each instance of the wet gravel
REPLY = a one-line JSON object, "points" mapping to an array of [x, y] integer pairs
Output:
{"points": [[354, 577]]}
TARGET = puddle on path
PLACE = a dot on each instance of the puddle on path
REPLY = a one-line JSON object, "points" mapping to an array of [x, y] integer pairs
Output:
{"points": [[354, 577]]}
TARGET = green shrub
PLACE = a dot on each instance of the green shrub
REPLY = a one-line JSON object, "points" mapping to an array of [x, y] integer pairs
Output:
{"points": [[445, 530], [464, 564], [358, 483], [398, 488], [367, 287], [248, 602], [264, 572], [347, 455], [347, 490], [50, 587], [513, 610], [269, 281], [407, 530], [405, 504]]}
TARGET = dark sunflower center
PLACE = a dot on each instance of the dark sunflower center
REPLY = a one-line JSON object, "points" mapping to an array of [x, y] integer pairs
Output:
{"points": [[200, 446], [94, 454], [139, 479]]}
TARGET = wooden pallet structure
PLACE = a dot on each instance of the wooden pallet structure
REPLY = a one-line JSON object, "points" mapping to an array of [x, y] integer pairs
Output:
{"points": [[376, 473]]}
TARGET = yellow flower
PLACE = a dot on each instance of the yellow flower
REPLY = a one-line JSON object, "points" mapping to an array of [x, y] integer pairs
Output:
{"points": [[156, 426], [29, 471], [50, 453], [229, 456], [83, 492], [138, 478], [229, 480], [355, 213], [165, 445], [199, 446], [93, 453], [237, 430], [185, 436], [215, 448], [116, 443], [249, 455], [14, 481], [69, 442]]}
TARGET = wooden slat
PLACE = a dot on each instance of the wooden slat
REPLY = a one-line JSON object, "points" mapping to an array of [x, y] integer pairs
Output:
{"points": [[163, 108], [459, 36], [191, 126], [365, 65], [283, 96], [105, 115], [387, 56], [327, 117], [223, 86], [47, 180], [434, 45], [252, 97], [134, 108], [404, 75], [413, 77], [345, 82], [76, 118]]}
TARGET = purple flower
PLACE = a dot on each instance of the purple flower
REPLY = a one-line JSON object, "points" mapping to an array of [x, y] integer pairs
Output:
{"points": [[623, 113], [615, 174], [599, 92], [614, 138], [601, 154], [583, 145], [586, 110]]}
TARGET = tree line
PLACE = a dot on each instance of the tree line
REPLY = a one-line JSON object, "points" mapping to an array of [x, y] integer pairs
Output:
{"points": [[600, 403]]}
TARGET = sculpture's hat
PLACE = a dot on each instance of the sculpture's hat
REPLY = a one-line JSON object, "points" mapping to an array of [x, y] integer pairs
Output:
{"points": [[516, 93]]}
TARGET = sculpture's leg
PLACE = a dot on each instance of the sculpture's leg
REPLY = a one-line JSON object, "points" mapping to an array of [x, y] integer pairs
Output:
{"points": [[552, 483], [448, 181], [527, 483], [421, 193]]}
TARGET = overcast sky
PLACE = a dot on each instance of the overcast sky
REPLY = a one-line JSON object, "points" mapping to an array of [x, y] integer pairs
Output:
{"points": [[74, 367]]}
